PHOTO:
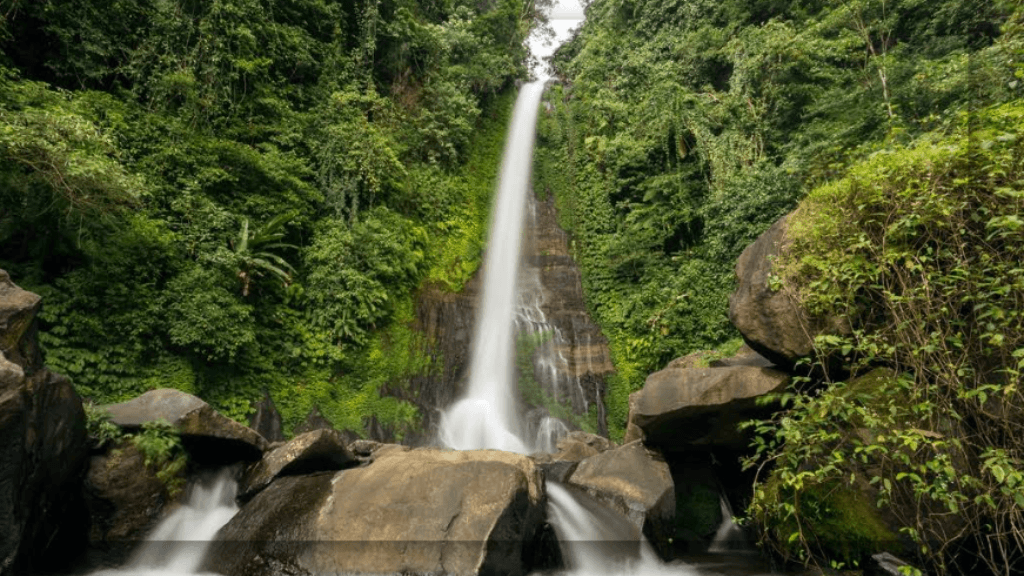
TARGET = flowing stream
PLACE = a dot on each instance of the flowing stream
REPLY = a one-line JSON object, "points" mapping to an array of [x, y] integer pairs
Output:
{"points": [[178, 544]]}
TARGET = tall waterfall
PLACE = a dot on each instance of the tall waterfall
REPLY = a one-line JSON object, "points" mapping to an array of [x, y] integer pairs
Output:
{"points": [[487, 416]]}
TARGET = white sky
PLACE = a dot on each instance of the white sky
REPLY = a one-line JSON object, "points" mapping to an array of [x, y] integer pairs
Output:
{"points": [[566, 15]]}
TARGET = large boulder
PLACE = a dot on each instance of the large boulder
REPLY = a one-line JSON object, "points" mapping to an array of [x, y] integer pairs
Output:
{"points": [[424, 511], [208, 436], [43, 450], [679, 408], [772, 321], [635, 481], [316, 451]]}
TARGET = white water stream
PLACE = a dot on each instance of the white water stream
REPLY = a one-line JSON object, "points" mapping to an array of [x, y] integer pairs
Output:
{"points": [[486, 417], [178, 544]]}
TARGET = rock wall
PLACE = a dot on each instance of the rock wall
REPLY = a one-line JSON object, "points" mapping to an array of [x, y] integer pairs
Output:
{"points": [[43, 450]]}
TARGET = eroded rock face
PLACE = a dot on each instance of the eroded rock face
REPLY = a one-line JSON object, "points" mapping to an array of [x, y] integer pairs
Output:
{"points": [[316, 451], [635, 481], [43, 449], [772, 322], [208, 436], [423, 511], [702, 407], [125, 499]]}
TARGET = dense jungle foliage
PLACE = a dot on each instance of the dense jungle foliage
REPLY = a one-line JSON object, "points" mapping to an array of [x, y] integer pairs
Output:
{"points": [[231, 196], [685, 128]]}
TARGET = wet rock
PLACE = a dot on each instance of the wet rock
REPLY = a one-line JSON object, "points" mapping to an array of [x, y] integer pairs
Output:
{"points": [[597, 443], [43, 450], [316, 451], [266, 420], [772, 322], [558, 471], [885, 564], [680, 407], [366, 451], [422, 511], [208, 436], [635, 481], [125, 499]]}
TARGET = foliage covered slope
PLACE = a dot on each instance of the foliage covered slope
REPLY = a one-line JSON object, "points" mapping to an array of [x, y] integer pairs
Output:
{"points": [[238, 195], [686, 127]]}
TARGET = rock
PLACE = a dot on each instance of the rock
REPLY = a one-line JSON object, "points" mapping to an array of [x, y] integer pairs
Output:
{"points": [[266, 420], [423, 511], [772, 322], [558, 471], [208, 436], [636, 482], [125, 499], [366, 451], [573, 451], [745, 356], [680, 407], [316, 451], [597, 443], [43, 450], [18, 309], [633, 432], [314, 421], [885, 564]]}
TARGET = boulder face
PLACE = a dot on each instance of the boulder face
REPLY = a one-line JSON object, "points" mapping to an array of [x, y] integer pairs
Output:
{"points": [[702, 407], [423, 511], [208, 436], [44, 449], [316, 451], [125, 499], [635, 481], [772, 322]]}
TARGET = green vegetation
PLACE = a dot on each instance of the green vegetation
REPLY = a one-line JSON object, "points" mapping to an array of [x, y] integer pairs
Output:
{"points": [[158, 442], [684, 128], [242, 195], [921, 248]]}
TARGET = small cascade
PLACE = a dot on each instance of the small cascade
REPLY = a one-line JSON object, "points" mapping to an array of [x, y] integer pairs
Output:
{"points": [[595, 541], [548, 432], [179, 543], [730, 537]]}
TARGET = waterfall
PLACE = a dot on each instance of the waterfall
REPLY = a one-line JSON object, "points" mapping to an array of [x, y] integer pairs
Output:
{"points": [[487, 417], [729, 537], [178, 544], [596, 541]]}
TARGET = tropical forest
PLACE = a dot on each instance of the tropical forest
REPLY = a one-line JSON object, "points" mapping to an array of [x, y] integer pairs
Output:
{"points": [[767, 312]]}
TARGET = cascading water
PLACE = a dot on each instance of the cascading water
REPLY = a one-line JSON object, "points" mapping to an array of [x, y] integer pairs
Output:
{"points": [[178, 544], [486, 417]]}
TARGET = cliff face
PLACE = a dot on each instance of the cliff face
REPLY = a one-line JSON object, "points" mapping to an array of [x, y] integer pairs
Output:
{"points": [[570, 360]]}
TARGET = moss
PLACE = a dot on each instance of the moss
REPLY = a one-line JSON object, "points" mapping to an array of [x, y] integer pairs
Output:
{"points": [[698, 511], [840, 521]]}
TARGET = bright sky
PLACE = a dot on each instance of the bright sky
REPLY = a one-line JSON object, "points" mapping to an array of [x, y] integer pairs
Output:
{"points": [[566, 15]]}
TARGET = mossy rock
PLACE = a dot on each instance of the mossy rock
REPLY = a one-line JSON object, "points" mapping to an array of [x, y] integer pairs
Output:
{"points": [[840, 521]]}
